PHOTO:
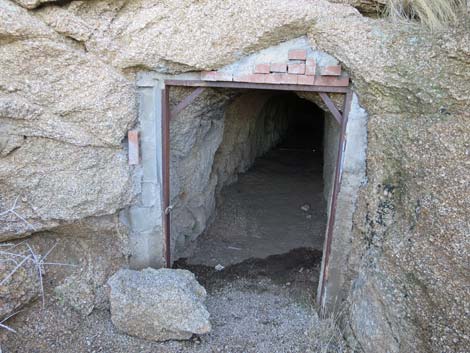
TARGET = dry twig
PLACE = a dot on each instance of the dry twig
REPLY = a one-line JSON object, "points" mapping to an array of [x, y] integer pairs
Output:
{"points": [[21, 258], [12, 210]]}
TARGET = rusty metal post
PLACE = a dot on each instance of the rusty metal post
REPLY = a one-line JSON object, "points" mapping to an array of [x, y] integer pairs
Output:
{"points": [[166, 173], [336, 189]]}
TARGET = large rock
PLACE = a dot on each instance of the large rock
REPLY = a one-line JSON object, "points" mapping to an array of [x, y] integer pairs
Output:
{"points": [[142, 34], [409, 239], [60, 80], [63, 116], [158, 305], [59, 183], [50, 88]]}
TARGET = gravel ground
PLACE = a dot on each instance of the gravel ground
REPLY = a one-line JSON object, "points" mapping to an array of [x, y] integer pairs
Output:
{"points": [[258, 306]]}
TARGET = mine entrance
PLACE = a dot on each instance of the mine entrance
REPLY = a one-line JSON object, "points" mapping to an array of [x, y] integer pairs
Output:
{"points": [[274, 202], [293, 149]]}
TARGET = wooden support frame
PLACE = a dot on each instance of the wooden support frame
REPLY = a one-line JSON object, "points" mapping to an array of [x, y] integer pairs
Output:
{"points": [[340, 118], [331, 106], [187, 101]]}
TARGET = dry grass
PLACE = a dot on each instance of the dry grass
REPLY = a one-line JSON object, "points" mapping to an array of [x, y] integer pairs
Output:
{"points": [[326, 335], [435, 14]]}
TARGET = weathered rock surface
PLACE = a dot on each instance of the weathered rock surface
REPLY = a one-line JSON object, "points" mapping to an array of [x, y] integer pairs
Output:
{"points": [[63, 115], [19, 281], [58, 183], [158, 305], [50, 89], [140, 34], [367, 7], [94, 258], [411, 227], [196, 134], [60, 86]]}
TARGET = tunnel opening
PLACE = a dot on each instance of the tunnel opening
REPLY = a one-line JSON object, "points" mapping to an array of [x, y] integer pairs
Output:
{"points": [[272, 202], [217, 131], [202, 131]]}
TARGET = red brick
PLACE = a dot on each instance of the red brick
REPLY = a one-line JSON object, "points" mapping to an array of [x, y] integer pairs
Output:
{"points": [[310, 67], [133, 141], [262, 69], [279, 78], [334, 70], [279, 67], [209, 75], [305, 80], [297, 69], [253, 78], [337, 81], [216, 76], [297, 54]]}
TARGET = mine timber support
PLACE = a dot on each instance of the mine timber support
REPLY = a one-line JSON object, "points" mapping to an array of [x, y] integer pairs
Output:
{"points": [[341, 117]]}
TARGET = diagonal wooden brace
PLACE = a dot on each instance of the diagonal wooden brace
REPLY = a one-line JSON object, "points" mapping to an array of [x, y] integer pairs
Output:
{"points": [[331, 106], [187, 101]]}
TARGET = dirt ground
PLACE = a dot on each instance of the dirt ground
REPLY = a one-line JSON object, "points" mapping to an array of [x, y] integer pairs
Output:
{"points": [[257, 306], [261, 302], [261, 214]]}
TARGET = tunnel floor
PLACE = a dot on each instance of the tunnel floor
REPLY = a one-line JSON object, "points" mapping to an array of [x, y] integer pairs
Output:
{"points": [[274, 207]]}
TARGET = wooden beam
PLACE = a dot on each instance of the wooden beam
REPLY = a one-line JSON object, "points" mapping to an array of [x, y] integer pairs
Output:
{"points": [[187, 101], [264, 86], [331, 106]]}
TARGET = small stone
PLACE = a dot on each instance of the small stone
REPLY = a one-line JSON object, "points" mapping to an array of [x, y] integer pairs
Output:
{"points": [[305, 207], [219, 267]]}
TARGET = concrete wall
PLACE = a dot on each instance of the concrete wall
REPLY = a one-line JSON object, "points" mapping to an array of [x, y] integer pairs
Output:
{"points": [[353, 177], [144, 217]]}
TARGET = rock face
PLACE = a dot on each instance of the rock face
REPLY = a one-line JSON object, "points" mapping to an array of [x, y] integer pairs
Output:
{"points": [[63, 115], [253, 124], [158, 305], [67, 98], [410, 227]]}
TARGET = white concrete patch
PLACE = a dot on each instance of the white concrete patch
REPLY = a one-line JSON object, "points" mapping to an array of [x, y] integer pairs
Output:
{"points": [[353, 177]]}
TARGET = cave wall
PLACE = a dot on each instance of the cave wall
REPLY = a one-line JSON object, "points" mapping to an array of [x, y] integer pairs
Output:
{"points": [[68, 96], [212, 142], [195, 136], [254, 123]]}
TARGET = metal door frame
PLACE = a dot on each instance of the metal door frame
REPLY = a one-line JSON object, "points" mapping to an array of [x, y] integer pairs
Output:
{"points": [[341, 118]]}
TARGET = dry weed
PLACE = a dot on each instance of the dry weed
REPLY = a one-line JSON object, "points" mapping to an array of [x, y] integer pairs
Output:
{"points": [[435, 14]]}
